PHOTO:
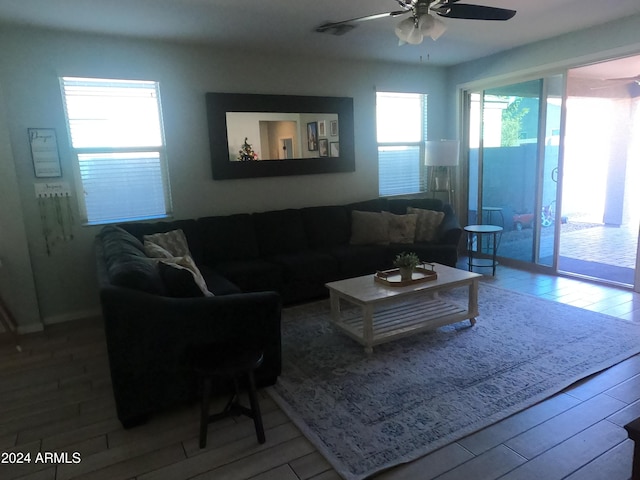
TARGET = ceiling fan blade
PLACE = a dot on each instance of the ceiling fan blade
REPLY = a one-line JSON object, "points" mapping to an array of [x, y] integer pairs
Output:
{"points": [[330, 25], [624, 79], [475, 12]]}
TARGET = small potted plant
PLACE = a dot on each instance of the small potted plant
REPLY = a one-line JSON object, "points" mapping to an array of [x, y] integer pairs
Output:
{"points": [[406, 262]]}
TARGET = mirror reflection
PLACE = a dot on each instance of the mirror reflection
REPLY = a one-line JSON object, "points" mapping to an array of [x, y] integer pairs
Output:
{"points": [[256, 136]]}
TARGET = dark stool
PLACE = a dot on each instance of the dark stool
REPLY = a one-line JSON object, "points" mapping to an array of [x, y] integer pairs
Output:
{"points": [[226, 362], [633, 430]]}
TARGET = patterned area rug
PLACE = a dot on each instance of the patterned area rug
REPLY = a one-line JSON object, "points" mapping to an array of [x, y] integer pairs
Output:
{"points": [[417, 394]]}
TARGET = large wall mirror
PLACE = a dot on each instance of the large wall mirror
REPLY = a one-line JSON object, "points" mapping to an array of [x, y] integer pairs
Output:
{"points": [[254, 135]]}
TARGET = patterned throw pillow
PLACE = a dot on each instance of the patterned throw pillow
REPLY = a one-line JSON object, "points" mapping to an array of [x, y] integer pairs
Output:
{"points": [[402, 228], [427, 225], [174, 242], [154, 250], [369, 228]]}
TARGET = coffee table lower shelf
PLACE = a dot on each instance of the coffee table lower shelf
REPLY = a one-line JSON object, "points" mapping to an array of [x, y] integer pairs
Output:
{"points": [[394, 321]]}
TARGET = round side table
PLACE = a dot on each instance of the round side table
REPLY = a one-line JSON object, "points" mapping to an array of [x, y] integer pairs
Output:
{"points": [[495, 232]]}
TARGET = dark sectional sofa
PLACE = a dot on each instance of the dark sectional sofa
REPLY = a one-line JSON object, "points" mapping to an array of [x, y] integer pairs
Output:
{"points": [[252, 263]]}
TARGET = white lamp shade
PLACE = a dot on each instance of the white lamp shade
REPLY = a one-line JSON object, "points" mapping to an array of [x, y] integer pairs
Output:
{"points": [[441, 153]]}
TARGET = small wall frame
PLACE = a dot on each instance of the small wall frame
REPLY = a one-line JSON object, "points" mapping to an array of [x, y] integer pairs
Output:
{"points": [[44, 152]]}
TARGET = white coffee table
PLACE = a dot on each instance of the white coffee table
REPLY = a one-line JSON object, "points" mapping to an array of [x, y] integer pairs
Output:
{"points": [[390, 312]]}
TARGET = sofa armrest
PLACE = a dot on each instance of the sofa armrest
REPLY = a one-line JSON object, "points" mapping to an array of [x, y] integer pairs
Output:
{"points": [[149, 340], [450, 231]]}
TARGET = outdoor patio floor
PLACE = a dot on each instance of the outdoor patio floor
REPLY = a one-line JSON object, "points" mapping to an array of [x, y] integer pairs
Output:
{"points": [[589, 249]]}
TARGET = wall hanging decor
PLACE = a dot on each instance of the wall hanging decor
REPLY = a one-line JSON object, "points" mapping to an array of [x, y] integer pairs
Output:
{"points": [[44, 152], [56, 214]]}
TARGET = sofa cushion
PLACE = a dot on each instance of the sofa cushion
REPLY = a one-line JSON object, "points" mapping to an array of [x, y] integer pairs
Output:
{"points": [[402, 228], [228, 238], [280, 231], [186, 264], [138, 273], [178, 282], [369, 228], [189, 227], [319, 266], [252, 275], [326, 226], [427, 225], [116, 241], [217, 284], [356, 260], [174, 242]]}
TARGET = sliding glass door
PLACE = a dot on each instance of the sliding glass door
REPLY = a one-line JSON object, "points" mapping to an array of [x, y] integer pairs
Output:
{"points": [[514, 133]]}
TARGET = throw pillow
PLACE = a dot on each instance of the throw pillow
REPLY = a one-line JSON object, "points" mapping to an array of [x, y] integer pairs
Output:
{"points": [[427, 224], [156, 251], [178, 281], [175, 242], [185, 263], [402, 228], [369, 228]]}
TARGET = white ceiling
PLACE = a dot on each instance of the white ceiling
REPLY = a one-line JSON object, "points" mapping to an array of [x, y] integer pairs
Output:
{"points": [[287, 26]]}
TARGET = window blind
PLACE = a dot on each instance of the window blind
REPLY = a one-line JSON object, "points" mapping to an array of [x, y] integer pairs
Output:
{"points": [[401, 132], [115, 127]]}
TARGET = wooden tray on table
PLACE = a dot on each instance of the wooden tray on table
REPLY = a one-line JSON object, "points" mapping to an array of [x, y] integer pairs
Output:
{"points": [[392, 277]]}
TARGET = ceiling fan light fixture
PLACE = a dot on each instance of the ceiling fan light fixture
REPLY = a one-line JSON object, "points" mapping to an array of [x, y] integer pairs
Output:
{"points": [[407, 31], [431, 26]]}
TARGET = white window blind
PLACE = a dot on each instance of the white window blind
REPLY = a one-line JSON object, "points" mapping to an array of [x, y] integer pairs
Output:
{"points": [[401, 131], [115, 127]]}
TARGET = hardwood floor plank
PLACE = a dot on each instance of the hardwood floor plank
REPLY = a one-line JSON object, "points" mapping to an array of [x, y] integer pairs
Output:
{"points": [[537, 440], [46, 474], [615, 464], [570, 455], [260, 462], [627, 414], [231, 452], [238, 430], [310, 465], [603, 381], [138, 465], [328, 475], [510, 427], [64, 439], [30, 432], [430, 466], [488, 466], [628, 391], [283, 472]]}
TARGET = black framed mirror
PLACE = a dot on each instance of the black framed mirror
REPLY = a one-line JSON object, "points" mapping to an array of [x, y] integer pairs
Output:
{"points": [[253, 135]]}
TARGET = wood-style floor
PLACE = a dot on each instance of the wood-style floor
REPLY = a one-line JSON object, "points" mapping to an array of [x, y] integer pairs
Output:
{"points": [[56, 396]]}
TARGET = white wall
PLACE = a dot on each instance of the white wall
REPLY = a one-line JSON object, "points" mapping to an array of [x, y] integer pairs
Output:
{"points": [[16, 282], [31, 61]]}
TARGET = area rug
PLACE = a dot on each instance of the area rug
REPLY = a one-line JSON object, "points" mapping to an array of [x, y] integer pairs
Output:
{"points": [[367, 413]]}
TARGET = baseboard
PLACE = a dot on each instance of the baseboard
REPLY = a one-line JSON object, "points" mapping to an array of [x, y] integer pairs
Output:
{"points": [[71, 316]]}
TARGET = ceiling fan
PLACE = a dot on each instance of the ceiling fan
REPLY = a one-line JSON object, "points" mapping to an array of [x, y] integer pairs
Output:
{"points": [[421, 22], [635, 79], [608, 83]]}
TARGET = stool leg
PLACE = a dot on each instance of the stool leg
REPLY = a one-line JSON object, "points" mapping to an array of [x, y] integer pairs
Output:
{"points": [[255, 408], [204, 412]]}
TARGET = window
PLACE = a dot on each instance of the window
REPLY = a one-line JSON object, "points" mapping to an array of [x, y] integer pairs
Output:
{"points": [[115, 127], [401, 124]]}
